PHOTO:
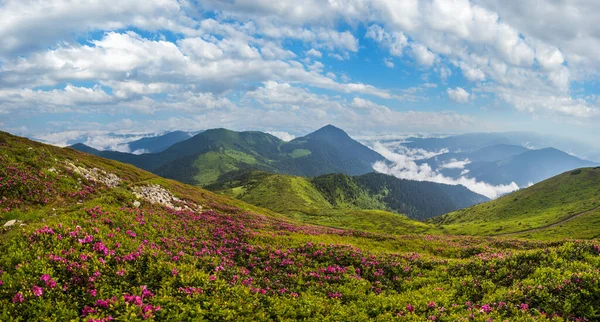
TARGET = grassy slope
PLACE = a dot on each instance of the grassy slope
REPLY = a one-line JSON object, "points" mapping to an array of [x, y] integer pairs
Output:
{"points": [[299, 199], [94, 256], [540, 205], [343, 201]]}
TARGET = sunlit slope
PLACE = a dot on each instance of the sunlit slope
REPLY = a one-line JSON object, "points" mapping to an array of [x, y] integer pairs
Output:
{"points": [[102, 241], [373, 191], [567, 196], [299, 198]]}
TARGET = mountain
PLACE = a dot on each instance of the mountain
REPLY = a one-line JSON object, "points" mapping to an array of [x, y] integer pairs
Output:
{"points": [[327, 150], [207, 156], [503, 164], [567, 205], [458, 143], [334, 192], [87, 238], [471, 142], [526, 168], [491, 153], [496, 152], [157, 143]]}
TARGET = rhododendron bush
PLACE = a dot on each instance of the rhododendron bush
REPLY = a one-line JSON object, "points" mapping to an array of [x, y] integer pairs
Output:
{"points": [[88, 253]]}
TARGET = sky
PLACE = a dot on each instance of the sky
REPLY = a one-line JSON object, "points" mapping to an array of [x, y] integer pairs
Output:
{"points": [[71, 68]]}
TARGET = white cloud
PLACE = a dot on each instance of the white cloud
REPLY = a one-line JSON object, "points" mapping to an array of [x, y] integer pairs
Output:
{"points": [[455, 164], [404, 167], [285, 136], [315, 53], [423, 55], [394, 42], [533, 59], [27, 25], [458, 95]]}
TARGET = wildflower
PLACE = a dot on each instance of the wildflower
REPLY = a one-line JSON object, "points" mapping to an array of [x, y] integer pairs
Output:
{"points": [[37, 291], [87, 311], [524, 306], [410, 308], [486, 308], [102, 303], [18, 298], [146, 293]]}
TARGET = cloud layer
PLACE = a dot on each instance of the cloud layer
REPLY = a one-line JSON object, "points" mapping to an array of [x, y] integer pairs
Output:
{"points": [[403, 166], [366, 65]]}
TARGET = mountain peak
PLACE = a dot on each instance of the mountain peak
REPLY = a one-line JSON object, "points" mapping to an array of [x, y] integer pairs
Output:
{"points": [[329, 130]]}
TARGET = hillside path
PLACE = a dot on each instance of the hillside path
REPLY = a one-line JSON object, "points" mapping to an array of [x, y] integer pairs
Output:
{"points": [[560, 222]]}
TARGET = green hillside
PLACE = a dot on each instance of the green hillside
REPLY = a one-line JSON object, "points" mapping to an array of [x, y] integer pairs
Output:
{"points": [[97, 240], [555, 208], [331, 193], [207, 157]]}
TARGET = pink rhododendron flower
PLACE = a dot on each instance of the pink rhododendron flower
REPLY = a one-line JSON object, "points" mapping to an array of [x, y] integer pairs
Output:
{"points": [[18, 298], [37, 291]]}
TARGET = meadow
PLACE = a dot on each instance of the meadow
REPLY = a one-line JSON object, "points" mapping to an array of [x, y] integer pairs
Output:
{"points": [[91, 249]]}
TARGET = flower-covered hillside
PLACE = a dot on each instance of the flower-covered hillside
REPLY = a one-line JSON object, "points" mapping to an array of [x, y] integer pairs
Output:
{"points": [[102, 241]]}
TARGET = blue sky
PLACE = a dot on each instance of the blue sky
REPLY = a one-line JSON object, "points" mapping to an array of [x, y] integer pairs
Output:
{"points": [[75, 68]]}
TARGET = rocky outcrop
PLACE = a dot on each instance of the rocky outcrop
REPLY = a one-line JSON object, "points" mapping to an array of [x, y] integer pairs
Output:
{"points": [[157, 194], [11, 223], [108, 179]]}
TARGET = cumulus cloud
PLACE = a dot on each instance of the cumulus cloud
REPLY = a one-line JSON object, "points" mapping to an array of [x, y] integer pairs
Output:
{"points": [[423, 55], [285, 136], [458, 95], [403, 166], [394, 42], [315, 53], [66, 57]]}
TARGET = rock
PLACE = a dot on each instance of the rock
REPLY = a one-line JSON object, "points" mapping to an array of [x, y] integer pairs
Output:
{"points": [[97, 175], [11, 223], [136, 204], [157, 194]]}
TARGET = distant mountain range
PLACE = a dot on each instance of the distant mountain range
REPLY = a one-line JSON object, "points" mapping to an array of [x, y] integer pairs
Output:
{"points": [[503, 164], [471, 142], [312, 196], [205, 157], [159, 143]]}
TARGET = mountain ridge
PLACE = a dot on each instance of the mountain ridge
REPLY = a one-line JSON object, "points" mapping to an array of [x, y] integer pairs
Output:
{"points": [[212, 153]]}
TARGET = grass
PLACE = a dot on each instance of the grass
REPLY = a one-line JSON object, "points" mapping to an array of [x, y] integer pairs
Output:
{"points": [[238, 262], [281, 193], [297, 198], [299, 153], [365, 220], [583, 227], [211, 165], [540, 205]]}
